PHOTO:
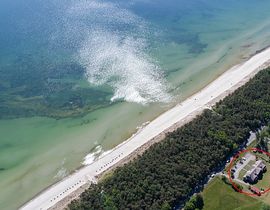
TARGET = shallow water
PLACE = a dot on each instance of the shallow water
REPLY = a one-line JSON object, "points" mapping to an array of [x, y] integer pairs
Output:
{"points": [[135, 59]]}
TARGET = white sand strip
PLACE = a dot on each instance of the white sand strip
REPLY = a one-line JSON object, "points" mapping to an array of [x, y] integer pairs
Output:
{"points": [[223, 85]]}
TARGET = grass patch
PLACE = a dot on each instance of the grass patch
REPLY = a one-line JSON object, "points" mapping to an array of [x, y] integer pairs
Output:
{"points": [[265, 182], [218, 195], [250, 207], [265, 198]]}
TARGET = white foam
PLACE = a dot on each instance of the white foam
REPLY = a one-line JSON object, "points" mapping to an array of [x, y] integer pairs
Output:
{"points": [[122, 63], [98, 153], [114, 52], [91, 157], [112, 44]]}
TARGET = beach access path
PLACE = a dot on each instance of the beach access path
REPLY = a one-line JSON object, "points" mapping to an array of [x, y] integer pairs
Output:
{"points": [[207, 97]]}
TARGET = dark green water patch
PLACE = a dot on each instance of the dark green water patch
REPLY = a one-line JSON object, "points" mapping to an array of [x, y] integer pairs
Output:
{"points": [[171, 71], [192, 40], [38, 88]]}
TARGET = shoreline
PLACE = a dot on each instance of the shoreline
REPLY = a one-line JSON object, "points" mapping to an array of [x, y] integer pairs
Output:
{"points": [[58, 195]]}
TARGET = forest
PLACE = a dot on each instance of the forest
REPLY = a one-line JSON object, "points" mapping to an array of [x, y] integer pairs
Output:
{"points": [[169, 172]]}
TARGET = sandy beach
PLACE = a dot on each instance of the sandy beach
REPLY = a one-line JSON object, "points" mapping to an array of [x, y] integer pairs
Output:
{"points": [[59, 194]]}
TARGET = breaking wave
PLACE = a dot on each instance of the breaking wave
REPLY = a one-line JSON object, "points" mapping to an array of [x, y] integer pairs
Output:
{"points": [[114, 52], [97, 153]]}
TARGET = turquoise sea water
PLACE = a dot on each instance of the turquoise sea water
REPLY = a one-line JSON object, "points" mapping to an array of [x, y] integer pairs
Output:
{"points": [[128, 61]]}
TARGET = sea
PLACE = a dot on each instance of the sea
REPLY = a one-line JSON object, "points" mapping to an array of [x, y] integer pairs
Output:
{"points": [[128, 61]]}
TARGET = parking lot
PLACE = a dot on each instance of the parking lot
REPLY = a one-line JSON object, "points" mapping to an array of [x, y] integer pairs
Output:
{"points": [[242, 166]]}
